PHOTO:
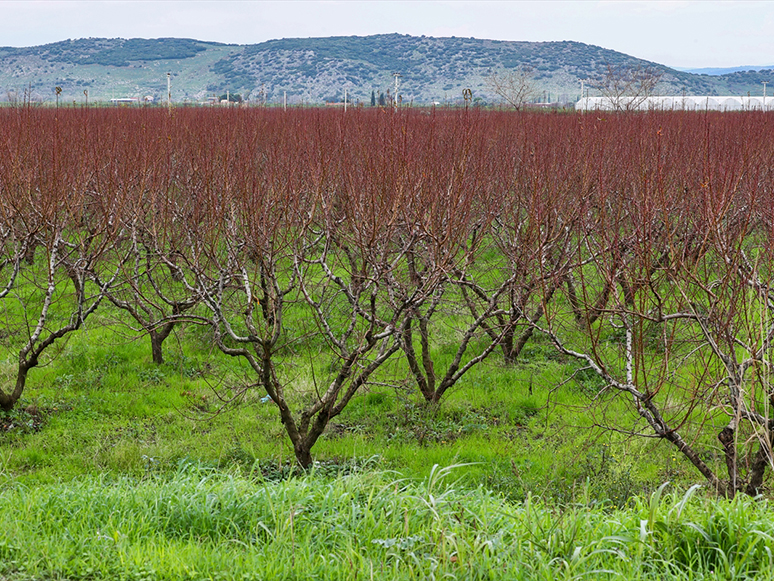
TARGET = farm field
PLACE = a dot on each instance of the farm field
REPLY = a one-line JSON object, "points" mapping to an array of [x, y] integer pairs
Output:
{"points": [[308, 344]]}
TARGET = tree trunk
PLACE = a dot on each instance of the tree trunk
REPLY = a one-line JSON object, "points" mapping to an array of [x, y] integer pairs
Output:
{"points": [[520, 343], [758, 469], [303, 455], [156, 343], [726, 437], [506, 345], [157, 337], [29, 253], [8, 400]]}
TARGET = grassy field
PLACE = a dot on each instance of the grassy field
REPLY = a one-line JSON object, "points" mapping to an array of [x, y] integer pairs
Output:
{"points": [[200, 523], [103, 407], [115, 468]]}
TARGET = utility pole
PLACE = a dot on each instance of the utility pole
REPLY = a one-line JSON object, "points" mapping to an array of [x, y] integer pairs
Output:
{"points": [[345, 100], [169, 92], [397, 76], [284, 100], [764, 93]]}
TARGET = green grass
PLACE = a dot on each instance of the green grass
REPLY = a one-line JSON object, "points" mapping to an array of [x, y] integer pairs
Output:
{"points": [[201, 523], [101, 406], [115, 468]]}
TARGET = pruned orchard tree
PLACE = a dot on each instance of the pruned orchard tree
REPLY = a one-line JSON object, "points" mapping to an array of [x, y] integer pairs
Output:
{"points": [[685, 335], [148, 287], [445, 216], [642, 304], [627, 87], [533, 233], [355, 245], [341, 272], [52, 203], [284, 260], [728, 298], [516, 87]]}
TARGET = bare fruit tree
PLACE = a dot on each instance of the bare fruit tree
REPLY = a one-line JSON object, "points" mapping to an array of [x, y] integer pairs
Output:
{"points": [[285, 267], [60, 217], [516, 87], [672, 282], [149, 290], [57, 292], [627, 87]]}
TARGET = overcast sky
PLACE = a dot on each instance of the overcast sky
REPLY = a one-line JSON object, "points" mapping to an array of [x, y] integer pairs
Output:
{"points": [[676, 33]]}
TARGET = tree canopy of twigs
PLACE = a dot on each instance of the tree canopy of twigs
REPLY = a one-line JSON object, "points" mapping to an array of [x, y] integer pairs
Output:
{"points": [[516, 87], [627, 87]]}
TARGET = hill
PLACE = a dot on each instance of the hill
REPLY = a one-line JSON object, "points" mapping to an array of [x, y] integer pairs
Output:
{"points": [[313, 70]]}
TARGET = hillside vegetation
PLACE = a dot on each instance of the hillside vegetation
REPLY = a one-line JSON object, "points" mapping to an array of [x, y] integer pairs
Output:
{"points": [[312, 70]]}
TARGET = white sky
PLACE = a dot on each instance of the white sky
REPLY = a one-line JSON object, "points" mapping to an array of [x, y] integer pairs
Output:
{"points": [[676, 33]]}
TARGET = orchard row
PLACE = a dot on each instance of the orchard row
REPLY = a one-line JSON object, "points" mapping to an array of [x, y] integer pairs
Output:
{"points": [[640, 245]]}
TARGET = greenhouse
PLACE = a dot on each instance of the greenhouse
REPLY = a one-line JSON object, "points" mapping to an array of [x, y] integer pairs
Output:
{"points": [[680, 102]]}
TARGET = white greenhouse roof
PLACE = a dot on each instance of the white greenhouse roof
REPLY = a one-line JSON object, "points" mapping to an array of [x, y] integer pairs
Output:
{"points": [[680, 102]]}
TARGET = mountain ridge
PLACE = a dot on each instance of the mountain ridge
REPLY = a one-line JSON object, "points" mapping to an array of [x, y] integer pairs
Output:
{"points": [[718, 71], [314, 70]]}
